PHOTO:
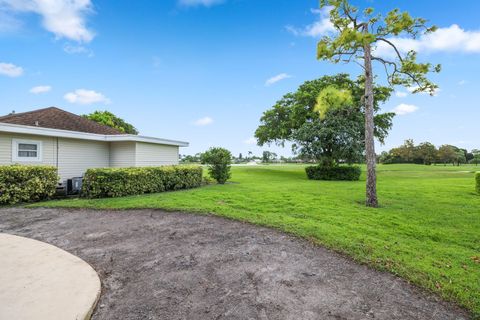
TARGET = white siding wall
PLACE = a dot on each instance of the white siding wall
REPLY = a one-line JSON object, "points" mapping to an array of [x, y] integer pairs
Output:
{"points": [[149, 154], [76, 156], [122, 154], [48, 149]]}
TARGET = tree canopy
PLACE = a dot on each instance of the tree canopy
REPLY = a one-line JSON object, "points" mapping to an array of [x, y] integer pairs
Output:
{"points": [[427, 153], [360, 31], [109, 119], [357, 36], [475, 156], [336, 136]]}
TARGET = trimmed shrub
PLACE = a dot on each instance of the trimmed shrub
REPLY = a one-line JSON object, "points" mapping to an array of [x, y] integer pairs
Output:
{"points": [[477, 179], [119, 182], [333, 173], [19, 183], [218, 161]]}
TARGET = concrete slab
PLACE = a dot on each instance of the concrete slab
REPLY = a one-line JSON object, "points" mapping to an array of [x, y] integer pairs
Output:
{"points": [[40, 281]]}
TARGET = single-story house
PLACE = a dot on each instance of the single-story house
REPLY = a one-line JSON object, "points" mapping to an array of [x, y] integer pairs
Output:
{"points": [[73, 144]]}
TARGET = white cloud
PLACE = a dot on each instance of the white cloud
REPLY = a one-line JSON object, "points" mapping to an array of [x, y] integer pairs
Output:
{"points": [[403, 109], [64, 18], [462, 82], [250, 141], [205, 121], [317, 29], [400, 94], [10, 70], [40, 89], [74, 49], [193, 3], [82, 96], [277, 78], [450, 39]]}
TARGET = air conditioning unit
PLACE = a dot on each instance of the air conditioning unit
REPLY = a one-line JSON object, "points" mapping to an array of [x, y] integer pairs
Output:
{"points": [[74, 185]]}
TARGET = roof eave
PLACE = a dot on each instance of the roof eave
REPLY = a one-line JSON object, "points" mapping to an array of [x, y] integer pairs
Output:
{"points": [[16, 128]]}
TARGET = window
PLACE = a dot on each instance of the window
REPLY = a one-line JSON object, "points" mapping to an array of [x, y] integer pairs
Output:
{"points": [[26, 150]]}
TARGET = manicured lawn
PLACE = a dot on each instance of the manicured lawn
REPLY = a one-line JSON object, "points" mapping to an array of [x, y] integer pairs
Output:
{"points": [[427, 230]]}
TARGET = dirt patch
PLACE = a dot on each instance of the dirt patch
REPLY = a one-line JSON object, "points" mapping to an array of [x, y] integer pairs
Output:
{"points": [[158, 265]]}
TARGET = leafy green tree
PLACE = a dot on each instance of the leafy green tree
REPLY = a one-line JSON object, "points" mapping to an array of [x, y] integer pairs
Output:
{"points": [[357, 36], [468, 156], [338, 137], [268, 156], [402, 154], [219, 162], [384, 157], [295, 118], [427, 152], [332, 98], [447, 154], [407, 151], [109, 119], [476, 157], [460, 157]]}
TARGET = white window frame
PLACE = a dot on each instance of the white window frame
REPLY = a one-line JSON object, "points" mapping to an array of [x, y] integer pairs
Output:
{"points": [[16, 158]]}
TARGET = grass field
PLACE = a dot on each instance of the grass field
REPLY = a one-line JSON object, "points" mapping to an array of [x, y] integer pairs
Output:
{"points": [[426, 231]]}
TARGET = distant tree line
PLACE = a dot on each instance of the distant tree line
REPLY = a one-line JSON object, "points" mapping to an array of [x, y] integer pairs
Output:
{"points": [[427, 153], [266, 157]]}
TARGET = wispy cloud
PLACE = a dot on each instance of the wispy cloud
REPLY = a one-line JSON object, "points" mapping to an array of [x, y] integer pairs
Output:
{"points": [[317, 29], [76, 49], [450, 39], [65, 19], [277, 78], [462, 82], [401, 94], [194, 3], [205, 121], [83, 96], [10, 70], [250, 141], [8, 23], [403, 109], [40, 89]]}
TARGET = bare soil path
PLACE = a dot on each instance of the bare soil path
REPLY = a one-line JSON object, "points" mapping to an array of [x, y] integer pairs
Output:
{"points": [[158, 265]]}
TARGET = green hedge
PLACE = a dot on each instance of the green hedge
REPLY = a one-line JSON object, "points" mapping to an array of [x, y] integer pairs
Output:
{"points": [[118, 182], [20, 183], [477, 179], [333, 173]]}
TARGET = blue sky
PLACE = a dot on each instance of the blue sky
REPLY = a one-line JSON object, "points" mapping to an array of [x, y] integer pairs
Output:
{"points": [[204, 71]]}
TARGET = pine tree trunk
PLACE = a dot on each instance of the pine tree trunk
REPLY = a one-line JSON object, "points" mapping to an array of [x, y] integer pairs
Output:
{"points": [[371, 193]]}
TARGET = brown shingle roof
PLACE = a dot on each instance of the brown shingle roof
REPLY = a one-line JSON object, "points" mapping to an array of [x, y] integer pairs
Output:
{"points": [[55, 118]]}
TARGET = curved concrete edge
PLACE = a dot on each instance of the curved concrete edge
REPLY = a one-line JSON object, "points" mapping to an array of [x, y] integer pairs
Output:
{"points": [[40, 281]]}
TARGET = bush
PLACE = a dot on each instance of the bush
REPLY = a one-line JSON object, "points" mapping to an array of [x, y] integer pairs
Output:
{"points": [[207, 181], [333, 173], [118, 182], [20, 183], [218, 161], [477, 179]]}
